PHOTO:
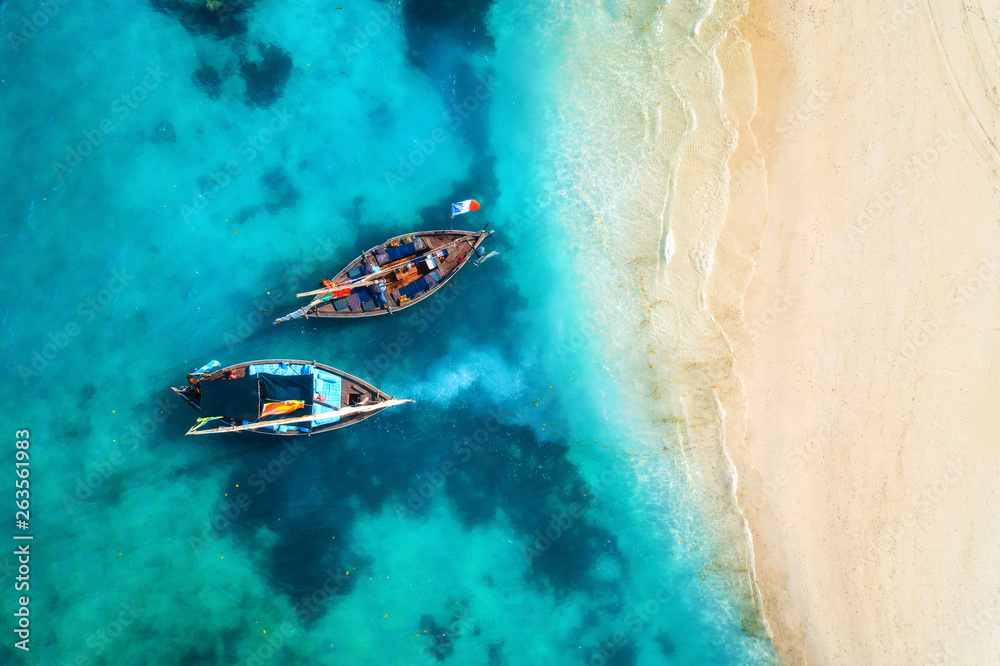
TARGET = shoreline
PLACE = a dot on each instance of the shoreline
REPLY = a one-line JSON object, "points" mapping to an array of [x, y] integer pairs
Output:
{"points": [[858, 410], [736, 249]]}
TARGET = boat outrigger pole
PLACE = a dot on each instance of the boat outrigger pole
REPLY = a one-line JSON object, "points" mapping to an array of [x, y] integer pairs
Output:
{"points": [[299, 419]]}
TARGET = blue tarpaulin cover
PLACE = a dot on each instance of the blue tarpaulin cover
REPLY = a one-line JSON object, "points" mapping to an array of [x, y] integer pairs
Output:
{"points": [[328, 386]]}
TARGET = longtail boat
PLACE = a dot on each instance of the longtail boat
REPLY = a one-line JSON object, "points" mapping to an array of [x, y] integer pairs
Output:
{"points": [[394, 275], [279, 397]]}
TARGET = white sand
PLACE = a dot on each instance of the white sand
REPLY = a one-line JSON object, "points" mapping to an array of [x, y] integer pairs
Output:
{"points": [[870, 336]]}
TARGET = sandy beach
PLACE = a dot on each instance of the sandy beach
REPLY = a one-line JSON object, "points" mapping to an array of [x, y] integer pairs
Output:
{"points": [[866, 351]]}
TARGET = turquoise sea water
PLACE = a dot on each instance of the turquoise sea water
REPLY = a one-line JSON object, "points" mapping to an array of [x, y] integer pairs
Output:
{"points": [[174, 174]]}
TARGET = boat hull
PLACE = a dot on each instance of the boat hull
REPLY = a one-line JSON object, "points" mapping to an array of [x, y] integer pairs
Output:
{"points": [[399, 281], [353, 392]]}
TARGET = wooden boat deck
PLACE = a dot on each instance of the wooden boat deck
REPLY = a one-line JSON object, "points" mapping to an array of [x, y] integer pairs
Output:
{"points": [[403, 272]]}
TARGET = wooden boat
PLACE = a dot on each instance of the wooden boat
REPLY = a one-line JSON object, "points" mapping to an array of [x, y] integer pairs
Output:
{"points": [[394, 275], [279, 397]]}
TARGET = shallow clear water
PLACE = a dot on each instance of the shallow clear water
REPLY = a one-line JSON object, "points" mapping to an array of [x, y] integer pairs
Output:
{"points": [[169, 176]]}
